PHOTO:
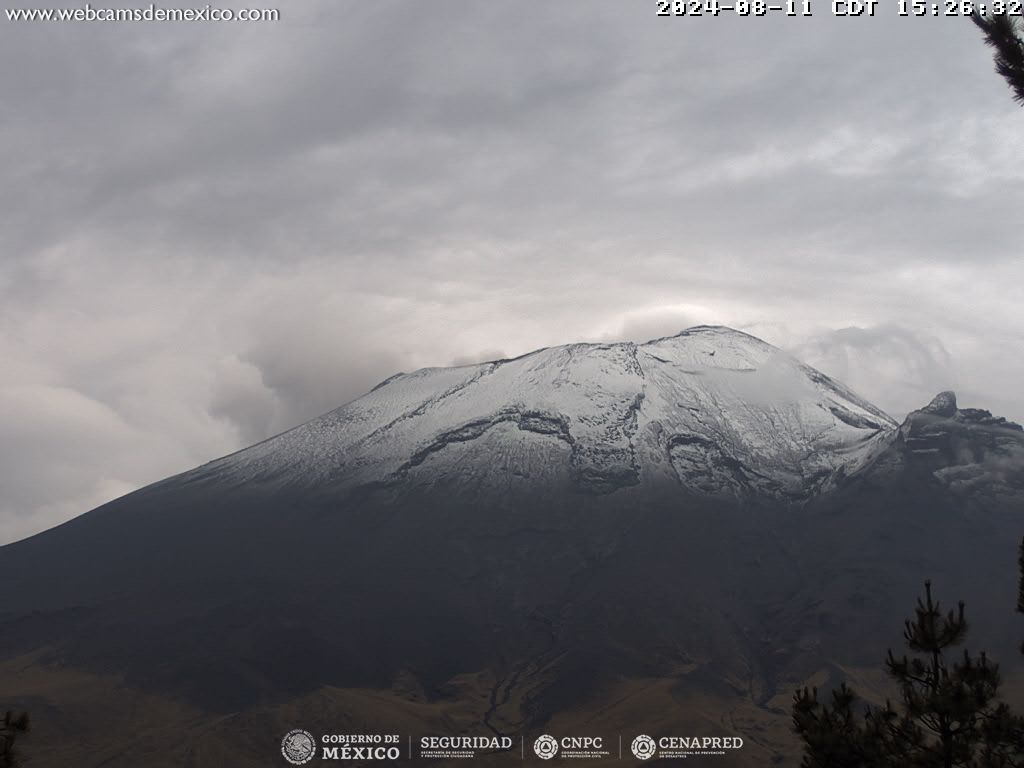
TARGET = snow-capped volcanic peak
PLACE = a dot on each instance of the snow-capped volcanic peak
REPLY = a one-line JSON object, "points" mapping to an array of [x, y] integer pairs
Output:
{"points": [[714, 409]]}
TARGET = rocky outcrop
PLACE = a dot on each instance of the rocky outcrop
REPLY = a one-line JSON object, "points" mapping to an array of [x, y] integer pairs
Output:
{"points": [[963, 447], [943, 404]]}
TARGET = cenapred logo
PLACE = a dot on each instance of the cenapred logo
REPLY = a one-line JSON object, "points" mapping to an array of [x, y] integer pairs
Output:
{"points": [[643, 747], [546, 747], [682, 747], [298, 746]]}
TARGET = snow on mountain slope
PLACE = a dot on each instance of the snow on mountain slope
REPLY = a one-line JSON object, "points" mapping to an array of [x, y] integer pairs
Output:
{"points": [[714, 409]]}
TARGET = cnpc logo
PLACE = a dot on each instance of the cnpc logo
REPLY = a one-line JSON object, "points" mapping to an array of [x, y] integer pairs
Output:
{"points": [[547, 747]]}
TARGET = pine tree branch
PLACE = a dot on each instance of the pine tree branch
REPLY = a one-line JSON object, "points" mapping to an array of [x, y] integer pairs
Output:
{"points": [[1020, 582], [1004, 37]]}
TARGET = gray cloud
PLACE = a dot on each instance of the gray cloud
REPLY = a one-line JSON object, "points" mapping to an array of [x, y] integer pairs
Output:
{"points": [[212, 232], [887, 364]]}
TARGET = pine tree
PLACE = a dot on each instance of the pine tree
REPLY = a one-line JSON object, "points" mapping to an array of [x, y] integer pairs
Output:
{"points": [[1020, 583], [948, 715], [9, 730], [1005, 34]]}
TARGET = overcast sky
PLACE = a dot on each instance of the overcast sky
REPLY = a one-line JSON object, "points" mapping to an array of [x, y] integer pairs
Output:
{"points": [[212, 232]]}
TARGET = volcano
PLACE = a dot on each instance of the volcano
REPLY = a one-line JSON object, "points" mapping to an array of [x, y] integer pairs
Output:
{"points": [[717, 410], [595, 538]]}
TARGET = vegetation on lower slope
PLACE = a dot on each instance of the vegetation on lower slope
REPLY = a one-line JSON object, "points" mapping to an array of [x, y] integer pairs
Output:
{"points": [[949, 713]]}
